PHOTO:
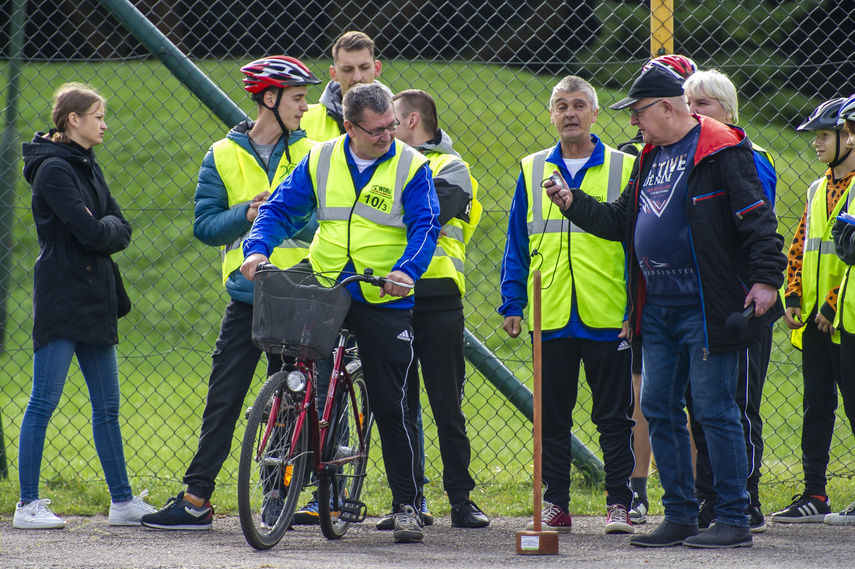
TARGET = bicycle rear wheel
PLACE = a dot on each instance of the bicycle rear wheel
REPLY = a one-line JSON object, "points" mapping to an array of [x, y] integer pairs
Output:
{"points": [[336, 513], [271, 472]]}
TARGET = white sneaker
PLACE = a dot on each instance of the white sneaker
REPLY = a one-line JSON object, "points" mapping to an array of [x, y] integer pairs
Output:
{"points": [[36, 515], [844, 518], [129, 514]]}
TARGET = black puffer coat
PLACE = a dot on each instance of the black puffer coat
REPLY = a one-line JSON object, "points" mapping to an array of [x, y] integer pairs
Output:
{"points": [[74, 291]]}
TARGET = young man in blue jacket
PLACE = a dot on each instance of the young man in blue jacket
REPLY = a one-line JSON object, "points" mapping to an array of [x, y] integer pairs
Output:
{"points": [[238, 174]]}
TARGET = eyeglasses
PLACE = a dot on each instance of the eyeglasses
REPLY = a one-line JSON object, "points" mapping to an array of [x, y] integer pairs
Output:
{"points": [[379, 131], [635, 112]]}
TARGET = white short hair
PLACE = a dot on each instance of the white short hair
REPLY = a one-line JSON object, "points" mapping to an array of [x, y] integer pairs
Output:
{"points": [[571, 84], [714, 84]]}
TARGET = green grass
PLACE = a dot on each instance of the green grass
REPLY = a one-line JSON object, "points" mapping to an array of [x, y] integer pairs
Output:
{"points": [[158, 136]]}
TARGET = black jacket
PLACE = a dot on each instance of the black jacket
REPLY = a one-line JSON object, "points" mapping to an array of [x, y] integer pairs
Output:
{"points": [[74, 291], [733, 232]]}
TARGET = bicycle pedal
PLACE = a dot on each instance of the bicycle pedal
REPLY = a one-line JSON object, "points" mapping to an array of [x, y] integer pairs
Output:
{"points": [[352, 511]]}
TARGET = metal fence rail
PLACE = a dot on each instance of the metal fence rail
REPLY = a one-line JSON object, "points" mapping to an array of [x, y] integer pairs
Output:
{"points": [[490, 66]]}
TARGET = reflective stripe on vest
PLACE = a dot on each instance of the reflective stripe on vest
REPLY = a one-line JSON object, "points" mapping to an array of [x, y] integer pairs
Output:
{"points": [[369, 230], [319, 125], [244, 178], [573, 263], [614, 186], [448, 259]]}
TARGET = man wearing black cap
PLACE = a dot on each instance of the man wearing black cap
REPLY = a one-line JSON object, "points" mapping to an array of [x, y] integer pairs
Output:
{"points": [[702, 244]]}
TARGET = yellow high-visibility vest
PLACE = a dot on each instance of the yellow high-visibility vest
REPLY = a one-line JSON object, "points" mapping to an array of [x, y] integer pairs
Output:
{"points": [[822, 270], [369, 230], [593, 267], [845, 317], [319, 125], [244, 178], [450, 255]]}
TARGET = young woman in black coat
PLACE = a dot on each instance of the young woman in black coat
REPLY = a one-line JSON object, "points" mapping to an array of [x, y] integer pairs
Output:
{"points": [[75, 299]]}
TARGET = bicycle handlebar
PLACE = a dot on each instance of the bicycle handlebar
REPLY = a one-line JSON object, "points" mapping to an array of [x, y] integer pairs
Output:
{"points": [[366, 277]]}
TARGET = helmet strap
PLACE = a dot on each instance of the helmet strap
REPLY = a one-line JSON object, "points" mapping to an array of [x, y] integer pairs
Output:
{"points": [[838, 159], [285, 132]]}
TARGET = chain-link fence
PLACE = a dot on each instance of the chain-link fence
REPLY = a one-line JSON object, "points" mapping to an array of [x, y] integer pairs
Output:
{"points": [[491, 67]]}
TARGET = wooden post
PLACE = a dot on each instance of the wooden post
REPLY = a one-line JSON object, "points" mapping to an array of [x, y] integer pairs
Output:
{"points": [[537, 542], [661, 27]]}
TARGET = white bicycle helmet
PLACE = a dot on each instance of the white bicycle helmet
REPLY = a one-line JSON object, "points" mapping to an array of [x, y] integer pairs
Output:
{"points": [[824, 116]]}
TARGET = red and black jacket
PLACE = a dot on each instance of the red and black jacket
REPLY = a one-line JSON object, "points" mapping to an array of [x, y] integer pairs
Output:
{"points": [[732, 228]]}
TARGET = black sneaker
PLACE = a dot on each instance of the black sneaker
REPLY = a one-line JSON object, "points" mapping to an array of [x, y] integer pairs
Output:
{"points": [[805, 508], [178, 513], [666, 534], [721, 536], [756, 522], [465, 514], [706, 514], [386, 523], [638, 509], [271, 508]]}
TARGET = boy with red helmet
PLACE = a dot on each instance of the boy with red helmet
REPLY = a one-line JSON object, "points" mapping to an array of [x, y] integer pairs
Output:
{"points": [[255, 155]]}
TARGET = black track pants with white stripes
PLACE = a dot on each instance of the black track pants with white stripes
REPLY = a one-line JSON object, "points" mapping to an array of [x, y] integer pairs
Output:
{"points": [[385, 337]]}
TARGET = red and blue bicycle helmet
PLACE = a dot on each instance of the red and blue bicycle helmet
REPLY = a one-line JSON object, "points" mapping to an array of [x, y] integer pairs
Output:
{"points": [[679, 65], [277, 71]]}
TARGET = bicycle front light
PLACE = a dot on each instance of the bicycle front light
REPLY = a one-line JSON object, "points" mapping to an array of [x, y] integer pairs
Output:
{"points": [[296, 381]]}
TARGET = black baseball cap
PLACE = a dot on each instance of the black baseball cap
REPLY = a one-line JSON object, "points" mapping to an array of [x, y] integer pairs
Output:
{"points": [[654, 82]]}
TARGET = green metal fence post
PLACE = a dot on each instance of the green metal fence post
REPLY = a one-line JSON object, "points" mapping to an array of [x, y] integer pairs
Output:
{"points": [[518, 394], [178, 63], [8, 174]]}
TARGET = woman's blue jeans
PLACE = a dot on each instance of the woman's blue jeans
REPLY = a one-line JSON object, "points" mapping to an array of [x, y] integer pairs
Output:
{"points": [[673, 352], [50, 369]]}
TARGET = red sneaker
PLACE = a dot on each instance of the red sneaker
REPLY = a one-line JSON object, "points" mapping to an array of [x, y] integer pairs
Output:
{"points": [[617, 520], [553, 518]]}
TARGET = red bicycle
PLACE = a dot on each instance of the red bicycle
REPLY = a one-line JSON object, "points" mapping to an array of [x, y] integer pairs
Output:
{"points": [[290, 433]]}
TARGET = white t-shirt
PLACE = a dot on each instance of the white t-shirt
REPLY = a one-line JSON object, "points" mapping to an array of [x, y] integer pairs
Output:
{"points": [[574, 165], [362, 164]]}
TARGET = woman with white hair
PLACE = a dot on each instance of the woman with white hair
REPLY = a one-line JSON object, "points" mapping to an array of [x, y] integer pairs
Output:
{"points": [[712, 94]]}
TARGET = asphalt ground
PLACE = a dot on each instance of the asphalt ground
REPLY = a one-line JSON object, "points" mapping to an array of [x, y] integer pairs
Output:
{"points": [[89, 542]]}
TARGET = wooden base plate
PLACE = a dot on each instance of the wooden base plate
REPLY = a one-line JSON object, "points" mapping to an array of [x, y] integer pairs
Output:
{"points": [[537, 542]]}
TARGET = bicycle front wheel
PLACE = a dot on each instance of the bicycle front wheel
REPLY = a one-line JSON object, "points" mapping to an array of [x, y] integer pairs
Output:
{"points": [[272, 464], [336, 513]]}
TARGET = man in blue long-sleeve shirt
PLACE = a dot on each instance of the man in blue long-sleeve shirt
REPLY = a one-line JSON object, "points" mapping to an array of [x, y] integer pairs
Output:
{"points": [[377, 207], [584, 302]]}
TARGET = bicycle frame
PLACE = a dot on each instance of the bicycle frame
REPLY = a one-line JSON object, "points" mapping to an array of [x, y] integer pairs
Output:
{"points": [[319, 426]]}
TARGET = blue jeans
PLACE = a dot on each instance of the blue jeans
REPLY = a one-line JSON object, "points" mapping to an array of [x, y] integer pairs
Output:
{"points": [[101, 371], [673, 345]]}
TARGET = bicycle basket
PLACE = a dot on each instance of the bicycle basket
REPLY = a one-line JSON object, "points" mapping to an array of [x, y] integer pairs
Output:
{"points": [[297, 313]]}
